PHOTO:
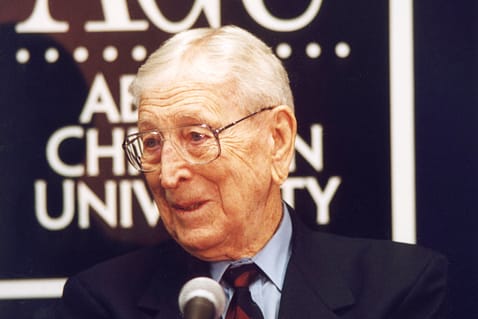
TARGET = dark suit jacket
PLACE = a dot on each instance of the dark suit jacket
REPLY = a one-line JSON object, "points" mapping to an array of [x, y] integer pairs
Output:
{"points": [[327, 277]]}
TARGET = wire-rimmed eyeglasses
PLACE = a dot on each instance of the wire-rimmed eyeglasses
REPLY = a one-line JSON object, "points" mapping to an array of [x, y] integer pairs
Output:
{"points": [[197, 144]]}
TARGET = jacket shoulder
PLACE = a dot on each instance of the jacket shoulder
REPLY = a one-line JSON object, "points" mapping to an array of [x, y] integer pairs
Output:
{"points": [[114, 288], [356, 276]]}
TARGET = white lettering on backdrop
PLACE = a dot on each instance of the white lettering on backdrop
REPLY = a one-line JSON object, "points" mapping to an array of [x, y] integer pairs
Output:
{"points": [[117, 17]]}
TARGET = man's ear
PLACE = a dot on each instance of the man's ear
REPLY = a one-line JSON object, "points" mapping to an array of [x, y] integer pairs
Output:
{"points": [[284, 129]]}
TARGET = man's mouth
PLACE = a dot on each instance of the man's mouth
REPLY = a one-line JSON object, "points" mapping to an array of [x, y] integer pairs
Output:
{"points": [[187, 207]]}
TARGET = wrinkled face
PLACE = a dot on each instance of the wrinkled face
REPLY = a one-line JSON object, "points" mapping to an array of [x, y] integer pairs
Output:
{"points": [[225, 209]]}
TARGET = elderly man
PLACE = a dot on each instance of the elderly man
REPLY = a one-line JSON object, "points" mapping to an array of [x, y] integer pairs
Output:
{"points": [[216, 137]]}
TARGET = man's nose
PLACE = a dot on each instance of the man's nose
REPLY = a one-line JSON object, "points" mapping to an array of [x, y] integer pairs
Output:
{"points": [[174, 168]]}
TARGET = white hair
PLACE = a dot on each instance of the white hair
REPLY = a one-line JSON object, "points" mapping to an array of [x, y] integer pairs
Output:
{"points": [[228, 56]]}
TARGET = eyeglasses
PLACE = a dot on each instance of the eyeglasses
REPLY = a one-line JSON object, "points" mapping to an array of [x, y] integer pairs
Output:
{"points": [[197, 144]]}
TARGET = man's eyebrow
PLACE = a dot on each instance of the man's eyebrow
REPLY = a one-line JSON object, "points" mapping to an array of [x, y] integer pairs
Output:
{"points": [[146, 124], [179, 119], [193, 117], [184, 119]]}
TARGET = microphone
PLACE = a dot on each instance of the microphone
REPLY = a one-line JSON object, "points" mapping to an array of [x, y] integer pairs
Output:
{"points": [[202, 298]]}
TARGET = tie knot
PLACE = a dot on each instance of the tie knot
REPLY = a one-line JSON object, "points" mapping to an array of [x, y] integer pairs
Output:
{"points": [[242, 276]]}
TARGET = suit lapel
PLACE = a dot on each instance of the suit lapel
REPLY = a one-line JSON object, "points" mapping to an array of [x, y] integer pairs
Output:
{"points": [[313, 287], [160, 299]]}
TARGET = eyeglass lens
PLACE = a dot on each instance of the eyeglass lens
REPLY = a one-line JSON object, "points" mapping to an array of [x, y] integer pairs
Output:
{"points": [[196, 144]]}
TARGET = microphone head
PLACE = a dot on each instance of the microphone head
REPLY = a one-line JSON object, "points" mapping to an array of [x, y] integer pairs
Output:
{"points": [[206, 288]]}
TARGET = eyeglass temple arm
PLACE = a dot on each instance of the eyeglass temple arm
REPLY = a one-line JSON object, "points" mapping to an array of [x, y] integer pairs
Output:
{"points": [[219, 130]]}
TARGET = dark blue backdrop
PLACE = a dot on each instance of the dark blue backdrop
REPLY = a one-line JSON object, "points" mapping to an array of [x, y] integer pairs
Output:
{"points": [[348, 97], [446, 65]]}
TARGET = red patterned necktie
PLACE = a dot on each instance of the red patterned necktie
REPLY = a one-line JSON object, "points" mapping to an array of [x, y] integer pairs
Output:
{"points": [[242, 306]]}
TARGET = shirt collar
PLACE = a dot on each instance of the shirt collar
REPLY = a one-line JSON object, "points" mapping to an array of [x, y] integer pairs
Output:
{"points": [[272, 259]]}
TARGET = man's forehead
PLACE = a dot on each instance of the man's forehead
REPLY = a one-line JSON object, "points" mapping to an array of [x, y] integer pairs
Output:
{"points": [[175, 104], [184, 93], [177, 86]]}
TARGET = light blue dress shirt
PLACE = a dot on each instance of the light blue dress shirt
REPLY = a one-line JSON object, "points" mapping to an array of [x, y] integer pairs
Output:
{"points": [[273, 260]]}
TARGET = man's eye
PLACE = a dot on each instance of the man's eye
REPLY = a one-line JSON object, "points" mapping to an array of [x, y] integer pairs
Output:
{"points": [[151, 142], [197, 136]]}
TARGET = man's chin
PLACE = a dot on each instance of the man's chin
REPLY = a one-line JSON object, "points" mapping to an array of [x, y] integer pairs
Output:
{"points": [[203, 249]]}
